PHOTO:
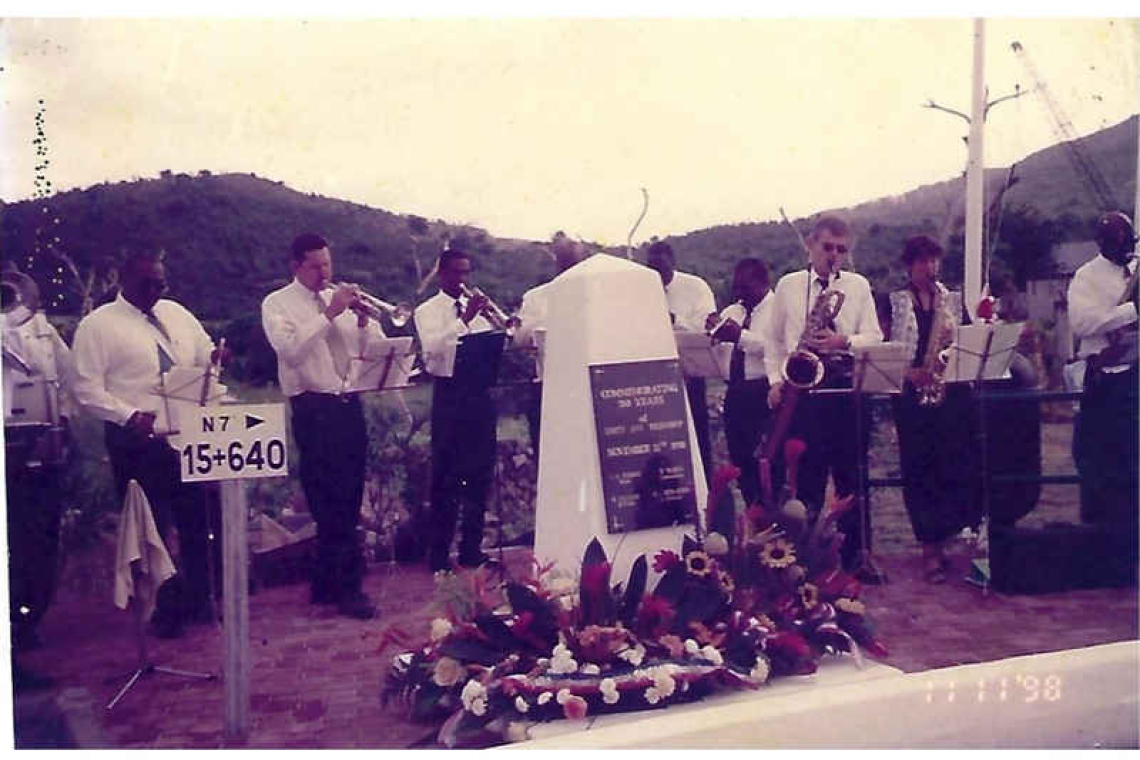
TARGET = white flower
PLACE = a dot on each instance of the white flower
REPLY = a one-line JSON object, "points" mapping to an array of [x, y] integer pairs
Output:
{"points": [[521, 704], [563, 695], [716, 544], [544, 697], [692, 647], [474, 697], [568, 601], [610, 693], [590, 669], [663, 681], [560, 650], [761, 669], [633, 656], [652, 695], [440, 628], [711, 654], [563, 660], [561, 586]]}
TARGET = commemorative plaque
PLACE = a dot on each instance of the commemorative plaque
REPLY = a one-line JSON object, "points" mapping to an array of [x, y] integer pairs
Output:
{"points": [[643, 444]]}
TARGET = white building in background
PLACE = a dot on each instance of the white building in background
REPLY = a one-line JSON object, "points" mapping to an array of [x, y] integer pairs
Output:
{"points": [[1045, 298]]}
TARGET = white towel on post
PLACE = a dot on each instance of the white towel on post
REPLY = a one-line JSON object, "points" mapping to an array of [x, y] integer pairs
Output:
{"points": [[141, 545]]}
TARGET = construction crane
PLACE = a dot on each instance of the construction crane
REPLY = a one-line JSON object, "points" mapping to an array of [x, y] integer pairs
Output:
{"points": [[1067, 136]]}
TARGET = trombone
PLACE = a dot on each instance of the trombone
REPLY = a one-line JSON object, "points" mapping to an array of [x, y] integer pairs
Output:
{"points": [[375, 308]]}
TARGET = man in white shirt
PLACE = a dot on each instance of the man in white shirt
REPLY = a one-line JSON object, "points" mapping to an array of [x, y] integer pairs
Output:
{"points": [[120, 350], [825, 422], [691, 301], [532, 318], [463, 438], [1103, 318], [311, 325], [37, 371], [746, 394]]}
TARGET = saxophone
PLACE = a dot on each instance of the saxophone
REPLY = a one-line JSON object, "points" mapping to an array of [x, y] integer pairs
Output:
{"points": [[804, 368], [933, 391]]}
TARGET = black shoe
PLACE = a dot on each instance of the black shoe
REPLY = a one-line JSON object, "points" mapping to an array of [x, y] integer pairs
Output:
{"points": [[357, 606], [868, 573]]}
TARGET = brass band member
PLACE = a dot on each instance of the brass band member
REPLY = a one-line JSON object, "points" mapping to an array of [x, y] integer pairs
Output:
{"points": [[746, 395], [826, 423], [311, 326], [936, 441], [532, 317], [1102, 311], [463, 438], [691, 301], [33, 353], [120, 350]]}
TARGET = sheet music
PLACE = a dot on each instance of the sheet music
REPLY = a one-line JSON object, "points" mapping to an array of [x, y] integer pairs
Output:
{"points": [[881, 367], [180, 388], [969, 345], [697, 354], [387, 364]]}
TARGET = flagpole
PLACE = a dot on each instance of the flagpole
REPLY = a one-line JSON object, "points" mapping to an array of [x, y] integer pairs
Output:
{"points": [[975, 179]]}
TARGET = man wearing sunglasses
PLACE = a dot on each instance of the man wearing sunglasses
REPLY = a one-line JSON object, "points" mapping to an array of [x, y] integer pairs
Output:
{"points": [[825, 422]]}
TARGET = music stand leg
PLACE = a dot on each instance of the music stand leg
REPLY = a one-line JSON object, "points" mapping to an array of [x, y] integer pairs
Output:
{"points": [[865, 568]]}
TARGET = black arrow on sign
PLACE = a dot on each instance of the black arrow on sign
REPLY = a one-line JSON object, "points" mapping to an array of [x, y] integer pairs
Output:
{"points": [[252, 422]]}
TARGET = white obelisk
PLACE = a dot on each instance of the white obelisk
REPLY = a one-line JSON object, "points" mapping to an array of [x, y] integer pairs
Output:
{"points": [[604, 310]]}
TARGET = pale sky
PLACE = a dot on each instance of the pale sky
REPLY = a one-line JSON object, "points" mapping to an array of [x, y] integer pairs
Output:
{"points": [[526, 126]]}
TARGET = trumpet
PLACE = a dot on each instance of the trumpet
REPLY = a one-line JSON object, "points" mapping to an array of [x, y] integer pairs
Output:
{"points": [[375, 308], [498, 318], [724, 320]]}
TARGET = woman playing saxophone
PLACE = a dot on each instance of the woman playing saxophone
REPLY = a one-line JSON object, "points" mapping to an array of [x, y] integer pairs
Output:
{"points": [[933, 420]]}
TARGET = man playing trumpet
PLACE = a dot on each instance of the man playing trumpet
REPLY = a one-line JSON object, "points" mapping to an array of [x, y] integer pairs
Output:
{"points": [[463, 438], [314, 329], [825, 422]]}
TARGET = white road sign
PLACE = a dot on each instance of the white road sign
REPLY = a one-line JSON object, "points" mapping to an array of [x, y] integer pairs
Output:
{"points": [[234, 441]]}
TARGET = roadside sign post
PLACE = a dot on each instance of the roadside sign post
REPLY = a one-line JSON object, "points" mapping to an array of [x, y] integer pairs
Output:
{"points": [[233, 443]]}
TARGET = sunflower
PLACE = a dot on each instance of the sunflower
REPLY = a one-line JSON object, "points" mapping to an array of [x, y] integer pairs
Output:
{"points": [[777, 553], [851, 606], [809, 595], [697, 563]]}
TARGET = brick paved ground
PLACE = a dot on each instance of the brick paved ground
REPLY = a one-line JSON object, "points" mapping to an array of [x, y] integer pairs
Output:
{"points": [[315, 677]]}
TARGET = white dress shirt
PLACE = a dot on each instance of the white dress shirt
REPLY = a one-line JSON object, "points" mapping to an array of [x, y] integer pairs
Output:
{"points": [[857, 318], [690, 300], [1093, 311], [116, 356], [294, 321], [440, 328], [37, 346], [752, 340]]}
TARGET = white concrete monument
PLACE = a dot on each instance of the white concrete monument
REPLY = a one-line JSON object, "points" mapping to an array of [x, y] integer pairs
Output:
{"points": [[603, 311]]}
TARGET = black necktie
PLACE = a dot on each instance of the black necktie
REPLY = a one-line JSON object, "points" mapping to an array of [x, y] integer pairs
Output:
{"points": [[736, 367], [165, 361]]}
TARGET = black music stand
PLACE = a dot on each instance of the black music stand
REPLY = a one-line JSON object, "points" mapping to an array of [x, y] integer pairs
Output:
{"points": [[879, 368], [991, 346]]}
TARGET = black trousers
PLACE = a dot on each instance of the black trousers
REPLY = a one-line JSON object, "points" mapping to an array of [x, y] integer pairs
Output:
{"points": [[746, 417], [33, 498], [463, 441], [1105, 449], [534, 414], [826, 423], [155, 465], [333, 443], [696, 390], [939, 462]]}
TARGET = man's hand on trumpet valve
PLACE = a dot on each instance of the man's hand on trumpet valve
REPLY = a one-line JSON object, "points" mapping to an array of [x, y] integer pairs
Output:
{"points": [[342, 298], [475, 306], [729, 332]]}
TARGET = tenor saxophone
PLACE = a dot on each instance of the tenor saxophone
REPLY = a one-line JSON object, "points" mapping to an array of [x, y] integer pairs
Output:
{"points": [[804, 368]]}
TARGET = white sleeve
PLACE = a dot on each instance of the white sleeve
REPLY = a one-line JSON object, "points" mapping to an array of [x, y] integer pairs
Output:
{"points": [[291, 339], [1089, 314], [90, 386]]}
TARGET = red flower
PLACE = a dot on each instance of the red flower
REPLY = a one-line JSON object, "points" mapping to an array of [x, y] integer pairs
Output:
{"points": [[655, 615], [986, 308], [574, 708], [664, 560]]}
